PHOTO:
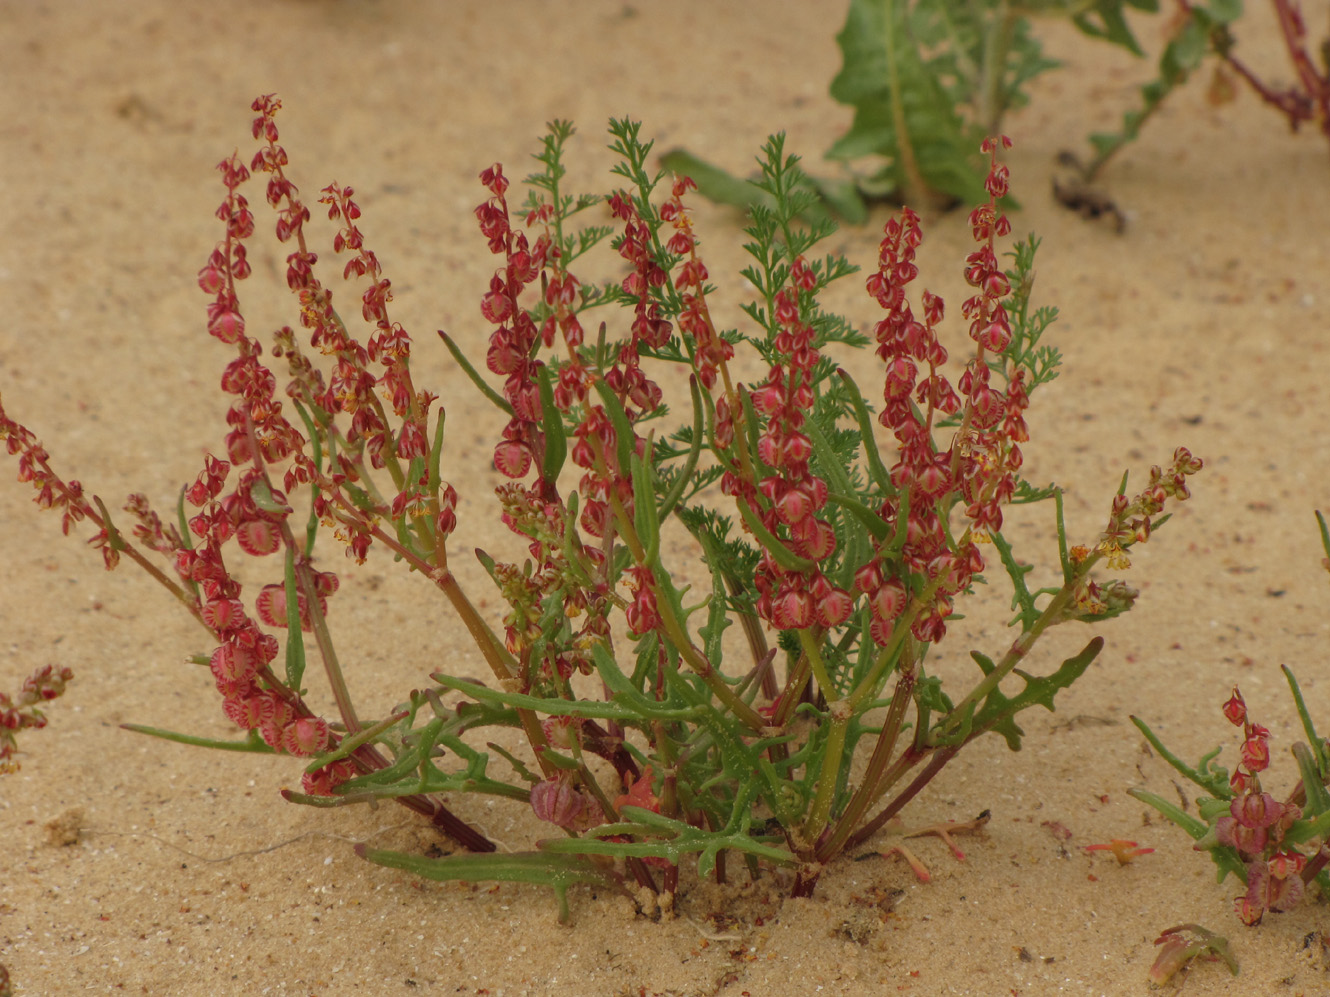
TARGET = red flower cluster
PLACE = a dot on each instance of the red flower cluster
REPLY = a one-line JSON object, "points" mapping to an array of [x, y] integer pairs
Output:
{"points": [[512, 342], [1256, 826], [795, 496], [980, 464], [710, 351], [240, 663], [253, 512], [16, 714], [1129, 522], [52, 491]]}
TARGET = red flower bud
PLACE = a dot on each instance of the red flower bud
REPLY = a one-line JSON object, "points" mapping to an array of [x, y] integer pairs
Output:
{"points": [[1236, 709], [512, 459], [305, 736], [258, 537], [1256, 754], [888, 601], [557, 802]]}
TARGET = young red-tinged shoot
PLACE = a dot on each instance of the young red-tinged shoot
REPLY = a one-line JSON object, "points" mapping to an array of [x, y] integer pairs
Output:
{"points": [[1123, 850]]}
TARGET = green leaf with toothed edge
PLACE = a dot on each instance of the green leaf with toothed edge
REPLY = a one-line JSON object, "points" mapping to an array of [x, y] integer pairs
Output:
{"points": [[901, 111], [998, 712], [671, 840]]}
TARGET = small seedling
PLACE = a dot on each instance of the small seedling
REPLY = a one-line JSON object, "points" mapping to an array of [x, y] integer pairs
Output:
{"points": [[1179, 950], [1124, 851]]}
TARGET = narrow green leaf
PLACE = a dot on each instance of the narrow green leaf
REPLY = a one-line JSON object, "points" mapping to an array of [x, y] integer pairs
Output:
{"points": [[685, 473], [1195, 827], [351, 742], [714, 183], [785, 557], [295, 639], [556, 442], [1317, 744], [460, 359], [542, 868], [434, 479], [872, 522], [624, 437], [645, 518], [1313, 780], [1213, 779], [876, 468], [253, 743]]}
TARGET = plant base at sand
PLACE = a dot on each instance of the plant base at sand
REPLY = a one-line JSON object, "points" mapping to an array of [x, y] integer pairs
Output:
{"points": [[1182, 945]]}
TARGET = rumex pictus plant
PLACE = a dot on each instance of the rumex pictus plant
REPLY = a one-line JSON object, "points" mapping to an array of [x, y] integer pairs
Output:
{"points": [[1276, 848], [654, 740]]}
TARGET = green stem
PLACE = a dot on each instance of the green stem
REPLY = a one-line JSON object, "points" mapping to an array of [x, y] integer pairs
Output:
{"points": [[828, 774], [496, 655], [997, 43], [673, 629], [906, 761], [890, 653], [874, 783]]}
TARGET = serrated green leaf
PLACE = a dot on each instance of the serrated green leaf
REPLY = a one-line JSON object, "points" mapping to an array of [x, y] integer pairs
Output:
{"points": [[901, 111], [998, 711]]}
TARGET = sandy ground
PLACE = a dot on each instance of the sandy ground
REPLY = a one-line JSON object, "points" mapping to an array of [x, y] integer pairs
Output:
{"points": [[1202, 324]]}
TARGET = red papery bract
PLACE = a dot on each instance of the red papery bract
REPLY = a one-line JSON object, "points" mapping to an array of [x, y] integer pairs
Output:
{"points": [[228, 327], [220, 615], [325, 583], [833, 608], [271, 607], [556, 802], [259, 537], [305, 736], [323, 781], [233, 664], [1235, 709], [888, 601], [243, 710], [511, 459], [792, 611]]}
